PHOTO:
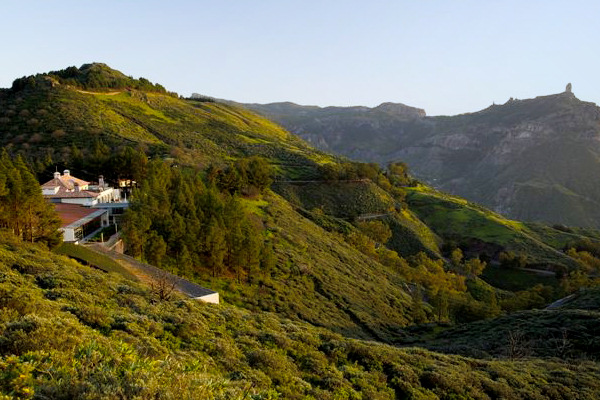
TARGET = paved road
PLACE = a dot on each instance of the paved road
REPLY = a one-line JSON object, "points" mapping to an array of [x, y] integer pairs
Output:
{"points": [[149, 273]]}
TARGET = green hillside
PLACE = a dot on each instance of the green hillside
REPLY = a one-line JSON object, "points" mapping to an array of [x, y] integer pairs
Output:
{"points": [[63, 338], [478, 230], [320, 263], [45, 118], [531, 160], [566, 329]]}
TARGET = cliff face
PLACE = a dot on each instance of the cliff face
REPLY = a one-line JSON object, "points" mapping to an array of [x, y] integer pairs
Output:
{"points": [[535, 159]]}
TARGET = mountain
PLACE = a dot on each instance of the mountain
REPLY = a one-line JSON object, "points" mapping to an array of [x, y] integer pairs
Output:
{"points": [[322, 266], [532, 160]]}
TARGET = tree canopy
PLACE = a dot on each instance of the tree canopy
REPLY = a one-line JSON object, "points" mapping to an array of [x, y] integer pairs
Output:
{"points": [[23, 209]]}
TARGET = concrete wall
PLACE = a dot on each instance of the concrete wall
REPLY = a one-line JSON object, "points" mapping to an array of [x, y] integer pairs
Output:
{"points": [[68, 234], [84, 201], [104, 219], [209, 298], [49, 192]]}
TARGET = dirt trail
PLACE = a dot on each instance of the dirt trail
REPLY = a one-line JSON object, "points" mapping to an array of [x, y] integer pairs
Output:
{"points": [[104, 93]]}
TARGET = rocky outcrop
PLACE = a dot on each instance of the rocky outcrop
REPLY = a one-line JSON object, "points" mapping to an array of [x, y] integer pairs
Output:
{"points": [[534, 159]]}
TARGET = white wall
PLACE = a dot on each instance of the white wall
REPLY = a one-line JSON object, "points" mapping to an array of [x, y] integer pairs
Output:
{"points": [[49, 192], [209, 298], [84, 201], [68, 234]]}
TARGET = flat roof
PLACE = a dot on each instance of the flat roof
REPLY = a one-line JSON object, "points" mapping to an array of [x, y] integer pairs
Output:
{"points": [[74, 215]]}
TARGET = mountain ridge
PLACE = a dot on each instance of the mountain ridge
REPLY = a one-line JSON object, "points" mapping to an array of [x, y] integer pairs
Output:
{"points": [[523, 158]]}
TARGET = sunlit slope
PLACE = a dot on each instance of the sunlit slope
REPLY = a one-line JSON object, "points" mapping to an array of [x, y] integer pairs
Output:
{"points": [[532, 160], [48, 118], [480, 230], [71, 332], [363, 200], [323, 280]]}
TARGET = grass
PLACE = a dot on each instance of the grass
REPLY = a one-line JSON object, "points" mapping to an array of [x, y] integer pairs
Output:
{"points": [[474, 227], [45, 122], [126, 97], [255, 206], [96, 260], [563, 333]]}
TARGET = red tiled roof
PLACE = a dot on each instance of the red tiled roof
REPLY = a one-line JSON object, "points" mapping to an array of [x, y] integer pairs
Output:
{"points": [[70, 213], [65, 181]]}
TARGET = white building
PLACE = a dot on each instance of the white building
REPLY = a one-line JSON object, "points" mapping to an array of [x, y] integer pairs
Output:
{"points": [[68, 189], [78, 221], [83, 208]]}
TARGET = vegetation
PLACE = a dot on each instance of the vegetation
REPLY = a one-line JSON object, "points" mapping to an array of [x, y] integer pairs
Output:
{"points": [[93, 259], [63, 337], [479, 231], [94, 76], [54, 123], [174, 215], [303, 247], [517, 158], [23, 210]]}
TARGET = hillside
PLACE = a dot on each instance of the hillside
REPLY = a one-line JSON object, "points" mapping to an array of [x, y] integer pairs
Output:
{"points": [[63, 338], [55, 118], [531, 160], [476, 229], [567, 329], [318, 218], [318, 277], [321, 263]]}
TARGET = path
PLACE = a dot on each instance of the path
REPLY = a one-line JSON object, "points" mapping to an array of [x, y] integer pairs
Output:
{"points": [[539, 271], [324, 181], [372, 216], [104, 93], [150, 274], [560, 302]]}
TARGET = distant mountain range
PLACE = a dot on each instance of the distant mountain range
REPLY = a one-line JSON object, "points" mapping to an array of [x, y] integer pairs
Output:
{"points": [[536, 159]]}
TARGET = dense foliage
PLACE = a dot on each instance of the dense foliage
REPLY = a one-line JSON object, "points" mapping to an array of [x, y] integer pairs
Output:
{"points": [[70, 332], [232, 201], [23, 210], [174, 217], [96, 76]]}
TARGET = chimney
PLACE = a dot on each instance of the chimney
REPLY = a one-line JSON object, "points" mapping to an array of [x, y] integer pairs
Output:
{"points": [[57, 175], [101, 182], [77, 187], [66, 172]]}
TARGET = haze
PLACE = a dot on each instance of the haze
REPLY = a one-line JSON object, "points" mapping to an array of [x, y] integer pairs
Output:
{"points": [[445, 57]]}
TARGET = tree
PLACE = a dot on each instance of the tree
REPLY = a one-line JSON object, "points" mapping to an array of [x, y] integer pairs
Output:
{"points": [[23, 209], [267, 259], [417, 312], [456, 258], [215, 247], [156, 249], [474, 267], [376, 230], [259, 173], [163, 286]]}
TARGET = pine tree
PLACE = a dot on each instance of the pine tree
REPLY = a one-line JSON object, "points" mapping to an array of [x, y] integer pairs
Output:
{"points": [[215, 247], [23, 209]]}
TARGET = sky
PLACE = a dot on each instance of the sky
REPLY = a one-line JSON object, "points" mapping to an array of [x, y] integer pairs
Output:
{"points": [[445, 56]]}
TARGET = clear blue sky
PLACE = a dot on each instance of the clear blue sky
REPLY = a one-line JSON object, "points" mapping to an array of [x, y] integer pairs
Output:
{"points": [[447, 57]]}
